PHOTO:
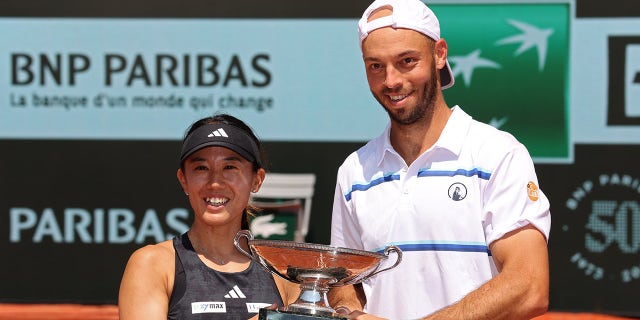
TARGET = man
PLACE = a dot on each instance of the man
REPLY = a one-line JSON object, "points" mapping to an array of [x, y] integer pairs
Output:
{"points": [[459, 197]]}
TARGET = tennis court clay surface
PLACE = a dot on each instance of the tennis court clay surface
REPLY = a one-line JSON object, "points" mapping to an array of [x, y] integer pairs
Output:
{"points": [[110, 312]]}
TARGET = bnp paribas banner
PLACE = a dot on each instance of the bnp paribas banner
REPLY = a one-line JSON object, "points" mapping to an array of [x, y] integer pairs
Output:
{"points": [[290, 79], [511, 65]]}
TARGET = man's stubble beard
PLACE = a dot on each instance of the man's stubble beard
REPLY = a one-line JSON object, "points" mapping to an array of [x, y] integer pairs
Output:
{"points": [[423, 109]]}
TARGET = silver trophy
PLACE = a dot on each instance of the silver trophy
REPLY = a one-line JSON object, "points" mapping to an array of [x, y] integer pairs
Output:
{"points": [[317, 268]]}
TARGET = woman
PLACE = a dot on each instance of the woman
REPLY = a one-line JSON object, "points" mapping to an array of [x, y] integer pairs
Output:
{"points": [[200, 274]]}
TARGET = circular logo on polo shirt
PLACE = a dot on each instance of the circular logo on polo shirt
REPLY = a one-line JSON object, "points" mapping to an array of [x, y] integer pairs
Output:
{"points": [[606, 222], [532, 191], [457, 191]]}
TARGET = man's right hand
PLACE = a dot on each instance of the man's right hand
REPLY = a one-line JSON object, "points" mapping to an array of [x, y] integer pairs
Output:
{"points": [[359, 315]]}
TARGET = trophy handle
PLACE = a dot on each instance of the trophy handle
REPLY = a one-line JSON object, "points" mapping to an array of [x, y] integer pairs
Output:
{"points": [[387, 251], [236, 241], [247, 234]]}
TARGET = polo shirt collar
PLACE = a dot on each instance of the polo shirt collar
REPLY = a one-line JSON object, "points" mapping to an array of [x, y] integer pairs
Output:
{"points": [[455, 131], [452, 137]]}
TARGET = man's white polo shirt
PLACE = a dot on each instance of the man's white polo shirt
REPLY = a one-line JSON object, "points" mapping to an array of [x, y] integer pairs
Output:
{"points": [[471, 188]]}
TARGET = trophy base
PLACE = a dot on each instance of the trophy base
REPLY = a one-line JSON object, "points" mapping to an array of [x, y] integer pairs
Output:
{"points": [[268, 314]]}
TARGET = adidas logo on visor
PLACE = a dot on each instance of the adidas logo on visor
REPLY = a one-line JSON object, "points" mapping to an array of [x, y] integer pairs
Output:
{"points": [[218, 133]]}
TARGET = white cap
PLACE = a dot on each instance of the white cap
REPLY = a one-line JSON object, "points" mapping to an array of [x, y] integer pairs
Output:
{"points": [[407, 14]]}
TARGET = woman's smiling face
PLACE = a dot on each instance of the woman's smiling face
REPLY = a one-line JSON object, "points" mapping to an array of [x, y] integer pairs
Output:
{"points": [[219, 182]]}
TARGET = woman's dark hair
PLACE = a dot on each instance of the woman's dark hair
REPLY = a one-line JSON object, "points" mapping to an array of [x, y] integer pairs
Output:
{"points": [[233, 121]]}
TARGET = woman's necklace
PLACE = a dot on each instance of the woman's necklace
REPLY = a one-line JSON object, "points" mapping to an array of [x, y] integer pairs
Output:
{"points": [[213, 258], [207, 254]]}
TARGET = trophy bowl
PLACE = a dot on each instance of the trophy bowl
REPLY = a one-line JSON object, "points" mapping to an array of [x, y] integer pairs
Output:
{"points": [[316, 267]]}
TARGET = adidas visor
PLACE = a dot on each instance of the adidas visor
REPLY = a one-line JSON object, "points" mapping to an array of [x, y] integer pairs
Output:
{"points": [[407, 14], [221, 135]]}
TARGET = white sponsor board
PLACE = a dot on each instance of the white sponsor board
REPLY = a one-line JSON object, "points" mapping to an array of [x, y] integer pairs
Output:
{"points": [[148, 78], [590, 67]]}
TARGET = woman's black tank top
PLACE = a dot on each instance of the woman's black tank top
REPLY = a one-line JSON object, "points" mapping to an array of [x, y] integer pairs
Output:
{"points": [[200, 292]]}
